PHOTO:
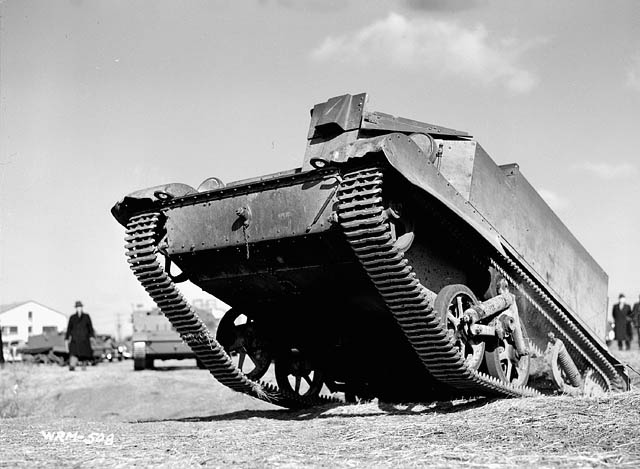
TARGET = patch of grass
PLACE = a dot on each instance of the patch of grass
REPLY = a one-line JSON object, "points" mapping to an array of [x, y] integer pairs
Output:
{"points": [[17, 391], [631, 358], [191, 420]]}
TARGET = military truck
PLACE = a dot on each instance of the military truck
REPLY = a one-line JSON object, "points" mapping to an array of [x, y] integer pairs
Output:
{"points": [[154, 338]]}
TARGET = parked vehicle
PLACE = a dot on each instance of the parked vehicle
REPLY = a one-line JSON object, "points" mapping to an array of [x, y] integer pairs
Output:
{"points": [[154, 338], [51, 348]]}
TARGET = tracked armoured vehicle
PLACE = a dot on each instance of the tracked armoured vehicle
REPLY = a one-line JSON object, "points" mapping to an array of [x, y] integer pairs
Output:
{"points": [[398, 262]]}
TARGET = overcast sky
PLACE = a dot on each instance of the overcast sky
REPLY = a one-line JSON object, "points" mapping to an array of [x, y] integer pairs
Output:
{"points": [[100, 98]]}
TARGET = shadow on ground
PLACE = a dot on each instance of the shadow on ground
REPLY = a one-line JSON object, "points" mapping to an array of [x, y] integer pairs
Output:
{"points": [[338, 411]]}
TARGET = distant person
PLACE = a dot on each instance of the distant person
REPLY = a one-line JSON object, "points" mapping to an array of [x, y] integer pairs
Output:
{"points": [[1, 350], [635, 317], [78, 338], [622, 321]]}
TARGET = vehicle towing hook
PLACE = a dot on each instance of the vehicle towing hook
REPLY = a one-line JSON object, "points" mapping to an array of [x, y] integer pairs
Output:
{"points": [[245, 214]]}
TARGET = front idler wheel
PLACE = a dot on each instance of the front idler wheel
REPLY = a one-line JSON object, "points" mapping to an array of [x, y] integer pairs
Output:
{"points": [[451, 303]]}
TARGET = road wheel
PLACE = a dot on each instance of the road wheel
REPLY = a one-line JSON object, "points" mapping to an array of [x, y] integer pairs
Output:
{"points": [[451, 303], [504, 362], [297, 375], [243, 341]]}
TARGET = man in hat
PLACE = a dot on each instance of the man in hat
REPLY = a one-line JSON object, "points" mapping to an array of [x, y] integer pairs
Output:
{"points": [[622, 317], [635, 316], [1, 350], [78, 338]]}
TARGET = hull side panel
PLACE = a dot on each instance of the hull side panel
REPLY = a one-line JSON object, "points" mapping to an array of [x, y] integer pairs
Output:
{"points": [[541, 242]]}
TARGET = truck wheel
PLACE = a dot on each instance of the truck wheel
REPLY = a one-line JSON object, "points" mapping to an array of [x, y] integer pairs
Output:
{"points": [[138, 363], [140, 356]]}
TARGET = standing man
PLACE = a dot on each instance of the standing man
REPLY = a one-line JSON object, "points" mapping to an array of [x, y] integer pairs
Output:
{"points": [[621, 317], [78, 338], [635, 316], [1, 350]]}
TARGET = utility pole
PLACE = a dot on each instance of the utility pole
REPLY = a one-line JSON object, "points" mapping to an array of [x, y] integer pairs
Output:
{"points": [[119, 327]]}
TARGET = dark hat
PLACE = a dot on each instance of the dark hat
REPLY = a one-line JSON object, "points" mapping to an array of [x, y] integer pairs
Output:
{"points": [[621, 295], [78, 304]]}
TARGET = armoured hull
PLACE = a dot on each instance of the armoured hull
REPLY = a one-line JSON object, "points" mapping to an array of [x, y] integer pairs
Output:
{"points": [[399, 262]]}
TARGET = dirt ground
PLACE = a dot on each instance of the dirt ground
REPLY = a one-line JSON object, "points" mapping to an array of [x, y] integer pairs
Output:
{"points": [[110, 416]]}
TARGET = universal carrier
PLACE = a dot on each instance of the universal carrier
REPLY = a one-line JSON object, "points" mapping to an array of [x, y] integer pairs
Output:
{"points": [[400, 262]]}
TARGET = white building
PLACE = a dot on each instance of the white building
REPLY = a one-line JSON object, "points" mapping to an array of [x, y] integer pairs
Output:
{"points": [[213, 305], [20, 320]]}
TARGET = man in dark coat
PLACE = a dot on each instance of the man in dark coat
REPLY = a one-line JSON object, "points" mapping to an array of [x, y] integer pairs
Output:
{"points": [[1, 350], [78, 338], [622, 321], [635, 317]]}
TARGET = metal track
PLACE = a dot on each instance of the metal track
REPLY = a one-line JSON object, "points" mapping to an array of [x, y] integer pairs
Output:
{"points": [[580, 346], [362, 216], [364, 221], [143, 234]]}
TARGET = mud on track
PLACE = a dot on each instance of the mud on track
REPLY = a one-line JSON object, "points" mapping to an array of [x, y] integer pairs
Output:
{"points": [[155, 419]]}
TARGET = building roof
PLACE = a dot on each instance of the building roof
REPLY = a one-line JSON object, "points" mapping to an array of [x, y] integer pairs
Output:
{"points": [[9, 306]]}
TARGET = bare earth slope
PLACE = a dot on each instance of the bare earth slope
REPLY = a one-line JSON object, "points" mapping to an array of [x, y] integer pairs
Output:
{"points": [[182, 417]]}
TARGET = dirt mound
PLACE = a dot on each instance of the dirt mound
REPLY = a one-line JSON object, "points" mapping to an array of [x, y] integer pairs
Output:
{"points": [[114, 391]]}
